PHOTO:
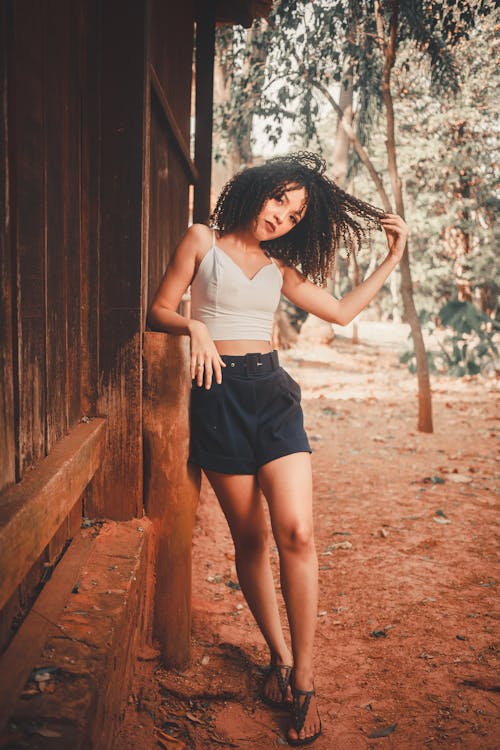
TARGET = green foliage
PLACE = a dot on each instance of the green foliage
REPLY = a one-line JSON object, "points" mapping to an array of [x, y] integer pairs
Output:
{"points": [[468, 346]]}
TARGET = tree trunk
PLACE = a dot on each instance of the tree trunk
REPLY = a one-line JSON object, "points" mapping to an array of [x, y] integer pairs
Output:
{"points": [[389, 51]]}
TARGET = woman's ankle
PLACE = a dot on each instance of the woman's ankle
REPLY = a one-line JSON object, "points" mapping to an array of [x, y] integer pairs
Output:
{"points": [[281, 657], [303, 678]]}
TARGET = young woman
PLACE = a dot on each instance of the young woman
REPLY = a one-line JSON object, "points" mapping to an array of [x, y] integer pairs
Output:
{"points": [[277, 228]]}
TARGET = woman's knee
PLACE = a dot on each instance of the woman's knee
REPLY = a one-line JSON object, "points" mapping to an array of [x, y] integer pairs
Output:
{"points": [[297, 538], [251, 540]]}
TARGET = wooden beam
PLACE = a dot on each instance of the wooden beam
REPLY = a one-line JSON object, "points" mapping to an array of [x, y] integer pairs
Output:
{"points": [[32, 510], [205, 51], [24, 649], [172, 123], [172, 488]]}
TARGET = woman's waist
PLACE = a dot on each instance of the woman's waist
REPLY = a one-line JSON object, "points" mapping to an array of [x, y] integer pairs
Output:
{"points": [[241, 347]]}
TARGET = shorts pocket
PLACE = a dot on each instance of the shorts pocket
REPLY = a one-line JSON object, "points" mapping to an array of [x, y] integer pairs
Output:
{"points": [[291, 385]]}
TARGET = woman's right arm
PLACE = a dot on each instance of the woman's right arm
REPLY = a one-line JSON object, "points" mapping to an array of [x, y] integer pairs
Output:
{"points": [[162, 315]]}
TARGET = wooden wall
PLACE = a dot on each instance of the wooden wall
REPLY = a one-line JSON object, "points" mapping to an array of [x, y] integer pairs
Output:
{"points": [[95, 140], [170, 166], [41, 308]]}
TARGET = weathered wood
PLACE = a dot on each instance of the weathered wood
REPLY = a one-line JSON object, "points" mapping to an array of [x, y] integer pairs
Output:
{"points": [[89, 24], [27, 192], [205, 51], [72, 211], [171, 488], [117, 490], [57, 102], [169, 172], [24, 649], [168, 197], [171, 54], [7, 428], [173, 126], [32, 510]]}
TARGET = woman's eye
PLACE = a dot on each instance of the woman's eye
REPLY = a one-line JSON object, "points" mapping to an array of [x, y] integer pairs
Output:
{"points": [[279, 199], [293, 219]]}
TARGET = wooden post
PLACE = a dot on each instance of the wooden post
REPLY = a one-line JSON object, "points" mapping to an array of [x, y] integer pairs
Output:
{"points": [[171, 488]]}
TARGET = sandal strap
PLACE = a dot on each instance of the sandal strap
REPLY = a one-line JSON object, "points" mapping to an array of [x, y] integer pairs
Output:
{"points": [[300, 708], [282, 672]]}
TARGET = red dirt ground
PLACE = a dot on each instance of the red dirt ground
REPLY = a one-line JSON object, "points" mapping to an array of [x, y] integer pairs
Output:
{"points": [[405, 521]]}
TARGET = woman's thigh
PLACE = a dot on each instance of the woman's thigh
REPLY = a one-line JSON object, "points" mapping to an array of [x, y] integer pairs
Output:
{"points": [[241, 501], [287, 484]]}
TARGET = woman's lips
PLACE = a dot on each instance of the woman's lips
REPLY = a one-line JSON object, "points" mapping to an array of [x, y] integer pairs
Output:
{"points": [[270, 225]]}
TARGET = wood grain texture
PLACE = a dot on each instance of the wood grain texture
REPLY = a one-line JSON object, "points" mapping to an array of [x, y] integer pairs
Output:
{"points": [[117, 490], [171, 488], [205, 51], [27, 195], [32, 510], [7, 427]]}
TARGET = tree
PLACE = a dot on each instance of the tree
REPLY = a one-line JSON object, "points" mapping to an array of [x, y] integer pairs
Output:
{"points": [[303, 62]]}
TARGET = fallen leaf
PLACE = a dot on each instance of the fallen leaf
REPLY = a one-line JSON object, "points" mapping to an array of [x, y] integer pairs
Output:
{"points": [[433, 480], [193, 718], [378, 634], [383, 732], [459, 478]]}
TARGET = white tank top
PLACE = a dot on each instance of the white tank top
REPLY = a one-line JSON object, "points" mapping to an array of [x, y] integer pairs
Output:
{"points": [[231, 305]]}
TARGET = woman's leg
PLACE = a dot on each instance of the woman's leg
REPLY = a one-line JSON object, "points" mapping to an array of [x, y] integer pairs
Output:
{"points": [[287, 485], [241, 502]]}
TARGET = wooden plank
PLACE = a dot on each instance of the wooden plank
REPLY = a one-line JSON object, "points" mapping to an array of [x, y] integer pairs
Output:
{"points": [[26, 161], [205, 51], [72, 209], [117, 491], [171, 54], [169, 197], [175, 130], [59, 299], [24, 649], [89, 25], [7, 428], [32, 510], [171, 488]]}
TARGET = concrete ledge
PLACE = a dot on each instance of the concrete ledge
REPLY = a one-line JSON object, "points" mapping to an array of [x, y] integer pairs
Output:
{"points": [[90, 651]]}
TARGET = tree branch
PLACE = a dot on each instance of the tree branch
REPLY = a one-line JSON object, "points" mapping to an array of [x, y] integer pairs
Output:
{"points": [[357, 145]]}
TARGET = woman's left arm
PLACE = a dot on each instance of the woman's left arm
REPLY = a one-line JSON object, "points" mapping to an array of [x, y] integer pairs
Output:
{"points": [[319, 302]]}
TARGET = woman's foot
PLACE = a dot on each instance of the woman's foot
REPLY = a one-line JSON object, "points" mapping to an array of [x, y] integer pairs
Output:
{"points": [[276, 690], [306, 723]]}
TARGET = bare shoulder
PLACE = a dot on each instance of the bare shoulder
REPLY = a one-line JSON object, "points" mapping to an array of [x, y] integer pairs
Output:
{"points": [[199, 233], [195, 243]]}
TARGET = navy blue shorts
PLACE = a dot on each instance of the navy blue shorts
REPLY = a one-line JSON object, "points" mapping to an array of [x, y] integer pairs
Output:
{"points": [[252, 417]]}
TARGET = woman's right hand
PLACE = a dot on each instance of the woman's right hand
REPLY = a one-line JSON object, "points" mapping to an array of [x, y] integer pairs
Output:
{"points": [[206, 361]]}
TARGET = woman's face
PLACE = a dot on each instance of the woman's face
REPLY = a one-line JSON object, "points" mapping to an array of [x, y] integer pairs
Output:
{"points": [[280, 214]]}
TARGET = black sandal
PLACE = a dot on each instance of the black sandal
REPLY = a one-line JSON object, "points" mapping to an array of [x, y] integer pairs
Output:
{"points": [[282, 673], [299, 713]]}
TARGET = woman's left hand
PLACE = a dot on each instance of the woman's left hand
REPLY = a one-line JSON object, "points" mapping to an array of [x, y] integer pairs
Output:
{"points": [[396, 230]]}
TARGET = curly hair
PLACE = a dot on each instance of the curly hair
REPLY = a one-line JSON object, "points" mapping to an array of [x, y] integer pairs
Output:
{"points": [[331, 216]]}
